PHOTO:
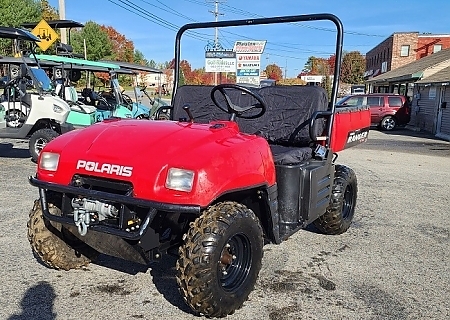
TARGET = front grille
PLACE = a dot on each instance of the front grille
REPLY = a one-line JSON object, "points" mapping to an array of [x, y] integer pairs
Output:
{"points": [[102, 184]]}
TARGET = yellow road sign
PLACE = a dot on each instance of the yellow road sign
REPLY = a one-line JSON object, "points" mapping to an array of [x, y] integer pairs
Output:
{"points": [[44, 32]]}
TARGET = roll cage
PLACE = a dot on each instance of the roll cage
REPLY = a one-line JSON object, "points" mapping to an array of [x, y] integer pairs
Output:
{"points": [[275, 20]]}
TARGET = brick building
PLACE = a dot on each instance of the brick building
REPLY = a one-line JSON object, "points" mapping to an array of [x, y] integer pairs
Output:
{"points": [[402, 48]]}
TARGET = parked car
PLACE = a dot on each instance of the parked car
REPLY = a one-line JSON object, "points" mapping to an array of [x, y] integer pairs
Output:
{"points": [[388, 110]]}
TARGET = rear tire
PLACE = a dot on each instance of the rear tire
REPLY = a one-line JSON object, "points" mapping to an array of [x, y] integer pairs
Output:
{"points": [[339, 215], [38, 140], [15, 123], [388, 123], [220, 259], [48, 241]]}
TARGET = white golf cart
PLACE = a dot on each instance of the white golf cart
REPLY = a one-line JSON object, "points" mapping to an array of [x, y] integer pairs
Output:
{"points": [[29, 109]]}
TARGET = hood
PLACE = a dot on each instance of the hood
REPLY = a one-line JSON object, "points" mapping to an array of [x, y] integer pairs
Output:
{"points": [[142, 152]]}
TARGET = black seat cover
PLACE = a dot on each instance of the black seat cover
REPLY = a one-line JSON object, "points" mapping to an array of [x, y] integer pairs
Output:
{"points": [[285, 125]]}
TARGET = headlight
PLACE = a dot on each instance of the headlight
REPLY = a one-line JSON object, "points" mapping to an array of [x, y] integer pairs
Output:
{"points": [[180, 179], [57, 108], [49, 161]]}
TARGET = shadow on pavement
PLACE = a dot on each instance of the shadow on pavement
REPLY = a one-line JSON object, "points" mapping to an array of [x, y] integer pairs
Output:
{"points": [[37, 303], [411, 133], [162, 272], [164, 278], [7, 150]]}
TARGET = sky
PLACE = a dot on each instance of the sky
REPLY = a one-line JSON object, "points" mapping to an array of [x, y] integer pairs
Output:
{"points": [[152, 25]]}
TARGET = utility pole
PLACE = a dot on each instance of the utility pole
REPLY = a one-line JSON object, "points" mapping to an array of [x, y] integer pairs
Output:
{"points": [[285, 71], [62, 16], [216, 31]]}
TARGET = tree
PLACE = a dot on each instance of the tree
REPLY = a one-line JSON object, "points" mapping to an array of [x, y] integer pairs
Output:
{"points": [[353, 66], [15, 12], [98, 45], [318, 66], [274, 72], [48, 12], [122, 48]]}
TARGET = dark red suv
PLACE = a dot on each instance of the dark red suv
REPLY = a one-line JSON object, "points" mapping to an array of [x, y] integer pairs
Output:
{"points": [[387, 109]]}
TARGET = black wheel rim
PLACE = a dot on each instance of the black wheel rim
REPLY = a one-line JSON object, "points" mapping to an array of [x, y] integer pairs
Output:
{"points": [[235, 263], [347, 206]]}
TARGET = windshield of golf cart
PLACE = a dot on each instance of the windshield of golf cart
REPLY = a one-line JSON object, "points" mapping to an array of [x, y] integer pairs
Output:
{"points": [[117, 90], [40, 79]]}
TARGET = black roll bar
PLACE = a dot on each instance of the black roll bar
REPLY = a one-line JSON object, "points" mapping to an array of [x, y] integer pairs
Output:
{"points": [[274, 20]]}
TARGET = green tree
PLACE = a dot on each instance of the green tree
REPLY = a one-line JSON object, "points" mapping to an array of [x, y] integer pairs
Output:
{"points": [[151, 64], [318, 66], [15, 12], [353, 66], [98, 45], [139, 57]]}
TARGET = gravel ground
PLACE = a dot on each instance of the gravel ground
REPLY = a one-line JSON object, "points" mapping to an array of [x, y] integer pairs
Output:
{"points": [[393, 263]]}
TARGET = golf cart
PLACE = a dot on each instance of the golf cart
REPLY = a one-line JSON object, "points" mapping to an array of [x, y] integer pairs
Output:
{"points": [[68, 71], [35, 114], [236, 168], [139, 92], [109, 103]]}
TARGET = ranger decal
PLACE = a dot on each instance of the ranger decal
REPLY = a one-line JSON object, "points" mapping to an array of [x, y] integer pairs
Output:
{"points": [[357, 137], [108, 168]]}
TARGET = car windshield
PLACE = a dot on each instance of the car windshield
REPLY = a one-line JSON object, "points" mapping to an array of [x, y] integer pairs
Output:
{"points": [[340, 102], [41, 80]]}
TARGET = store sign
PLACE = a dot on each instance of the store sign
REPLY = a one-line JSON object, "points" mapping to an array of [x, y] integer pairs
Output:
{"points": [[220, 61], [249, 46], [248, 68], [247, 73]]}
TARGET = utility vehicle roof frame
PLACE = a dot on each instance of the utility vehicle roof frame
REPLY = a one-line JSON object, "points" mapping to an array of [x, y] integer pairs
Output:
{"points": [[274, 20]]}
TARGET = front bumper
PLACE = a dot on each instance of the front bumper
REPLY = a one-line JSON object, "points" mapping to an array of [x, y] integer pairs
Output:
{"points": [[152, 206]]}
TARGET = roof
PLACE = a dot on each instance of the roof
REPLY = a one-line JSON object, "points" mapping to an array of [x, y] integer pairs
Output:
{"points": [[442, 76], [27, 60], [133, 66], [76, 61], [416, 69], [16, 33], [55, 24]]}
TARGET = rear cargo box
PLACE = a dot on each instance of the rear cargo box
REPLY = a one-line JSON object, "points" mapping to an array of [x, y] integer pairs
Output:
{"points": [[351, 127]]}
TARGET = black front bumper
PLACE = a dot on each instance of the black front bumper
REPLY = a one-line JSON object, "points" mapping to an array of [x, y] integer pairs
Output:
{"points": [[153, 207]]}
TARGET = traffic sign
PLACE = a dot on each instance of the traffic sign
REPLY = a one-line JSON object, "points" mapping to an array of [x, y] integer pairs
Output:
{"points": [[47, 35]]}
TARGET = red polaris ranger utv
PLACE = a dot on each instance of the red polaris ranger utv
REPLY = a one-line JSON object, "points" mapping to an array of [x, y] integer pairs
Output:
{"points": [[236, 167]]}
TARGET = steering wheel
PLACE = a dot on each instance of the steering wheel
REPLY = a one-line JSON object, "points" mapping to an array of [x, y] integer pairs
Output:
{"points": [[127, 99], [14, 82], [234, 110]]}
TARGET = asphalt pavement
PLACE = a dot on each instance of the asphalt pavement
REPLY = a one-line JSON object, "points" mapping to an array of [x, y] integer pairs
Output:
{"points": [[393, 263]]}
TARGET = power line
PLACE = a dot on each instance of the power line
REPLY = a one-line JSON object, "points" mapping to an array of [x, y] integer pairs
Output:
{"points": [[133, 8], [245, 13]]}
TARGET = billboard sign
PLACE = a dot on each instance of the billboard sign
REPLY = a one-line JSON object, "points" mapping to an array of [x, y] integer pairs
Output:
{"points": [[248, 68], [220, 61], [249, 46]]}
